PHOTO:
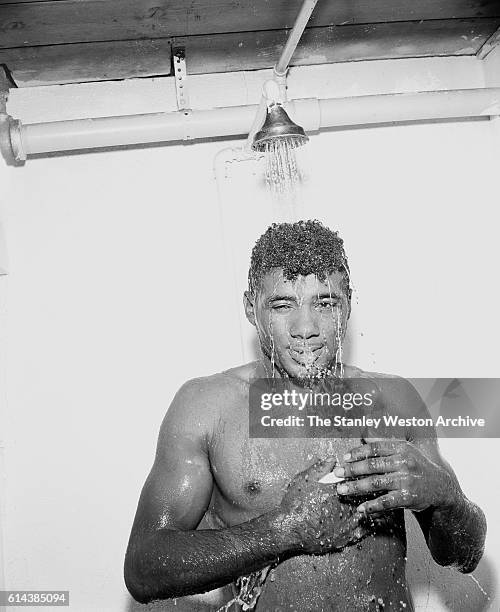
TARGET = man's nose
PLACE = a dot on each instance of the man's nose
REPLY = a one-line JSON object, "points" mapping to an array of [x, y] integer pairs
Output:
{"points": [[304, 324]]}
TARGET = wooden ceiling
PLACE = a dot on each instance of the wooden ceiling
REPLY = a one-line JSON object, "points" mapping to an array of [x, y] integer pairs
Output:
{"points": [[67, 41]]}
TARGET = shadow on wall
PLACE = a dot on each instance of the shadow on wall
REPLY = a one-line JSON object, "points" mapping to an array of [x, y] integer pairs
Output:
{"points": [[439, 588]]}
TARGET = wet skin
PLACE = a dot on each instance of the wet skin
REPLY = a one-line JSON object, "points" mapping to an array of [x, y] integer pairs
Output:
{"points": [[300, 324], [208, 473], [251, 476]]}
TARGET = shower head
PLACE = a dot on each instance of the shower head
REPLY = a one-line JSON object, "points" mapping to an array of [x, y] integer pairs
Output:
{"points": [[278, 126]]}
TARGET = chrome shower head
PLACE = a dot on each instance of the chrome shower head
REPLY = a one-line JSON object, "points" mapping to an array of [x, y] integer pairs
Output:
{"points": [[278, 126]]}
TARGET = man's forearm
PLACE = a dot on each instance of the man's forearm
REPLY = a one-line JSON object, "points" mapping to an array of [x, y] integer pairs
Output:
{"points": [[456, 532], [170, 563]]}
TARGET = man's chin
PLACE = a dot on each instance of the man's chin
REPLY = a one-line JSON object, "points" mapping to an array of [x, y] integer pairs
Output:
{"points": [[294, 372], [302, 373], [307, 374]]}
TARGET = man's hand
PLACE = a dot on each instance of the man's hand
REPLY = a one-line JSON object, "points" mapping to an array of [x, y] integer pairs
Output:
{"points": [[319, 520], [400, 470]]}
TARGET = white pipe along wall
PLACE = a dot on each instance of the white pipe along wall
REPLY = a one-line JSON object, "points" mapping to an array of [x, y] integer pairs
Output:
{"points": [[312, 113]]}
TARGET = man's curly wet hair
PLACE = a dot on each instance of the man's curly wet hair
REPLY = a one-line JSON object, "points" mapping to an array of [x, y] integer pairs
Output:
{"points": [[301, 248]]}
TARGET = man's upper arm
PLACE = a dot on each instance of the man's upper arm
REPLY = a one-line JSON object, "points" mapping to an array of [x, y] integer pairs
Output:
{"points": [[177, 491]]}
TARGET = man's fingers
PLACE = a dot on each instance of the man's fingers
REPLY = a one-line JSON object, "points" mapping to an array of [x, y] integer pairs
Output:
{"points": [[390, 501], [380, 448], [372, 465], [357, 530], [380, 482]]}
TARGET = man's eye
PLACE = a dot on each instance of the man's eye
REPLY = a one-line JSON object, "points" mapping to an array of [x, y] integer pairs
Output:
{"points": [[282, 307], [327, 305]]}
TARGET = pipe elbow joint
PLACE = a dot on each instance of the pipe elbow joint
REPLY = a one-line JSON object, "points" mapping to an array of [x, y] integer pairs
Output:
{"points": [[10, 141]]}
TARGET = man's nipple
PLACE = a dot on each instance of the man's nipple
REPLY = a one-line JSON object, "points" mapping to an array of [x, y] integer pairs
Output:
{"points": [[253, 487]]}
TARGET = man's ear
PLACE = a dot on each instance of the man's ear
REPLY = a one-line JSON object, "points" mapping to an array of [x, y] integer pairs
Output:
{"points": [[249, 304]]}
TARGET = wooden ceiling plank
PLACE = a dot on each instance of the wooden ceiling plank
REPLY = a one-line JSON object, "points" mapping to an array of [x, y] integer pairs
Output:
{"points": [[72, 21], [84, 62], [244, 51]]}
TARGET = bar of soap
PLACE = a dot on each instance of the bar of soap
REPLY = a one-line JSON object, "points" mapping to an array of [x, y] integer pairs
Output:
{"points": [[330, 478]]}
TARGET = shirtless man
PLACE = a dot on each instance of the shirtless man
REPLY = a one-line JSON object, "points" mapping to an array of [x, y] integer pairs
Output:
{"points": [[219, 505]]}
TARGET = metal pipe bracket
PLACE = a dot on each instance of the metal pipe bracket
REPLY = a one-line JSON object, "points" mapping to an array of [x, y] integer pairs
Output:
{"points": [[180, 77]]}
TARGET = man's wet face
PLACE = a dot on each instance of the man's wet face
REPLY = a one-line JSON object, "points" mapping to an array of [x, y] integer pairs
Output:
{"points": [[301, 323]]}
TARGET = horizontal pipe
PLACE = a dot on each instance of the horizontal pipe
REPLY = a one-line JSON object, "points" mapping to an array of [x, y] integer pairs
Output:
{"points": [[135, 129], [312, 114], [388, 108]]}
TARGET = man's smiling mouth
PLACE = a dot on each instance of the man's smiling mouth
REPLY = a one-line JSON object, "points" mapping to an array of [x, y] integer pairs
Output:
{"points": [[305, 355]]}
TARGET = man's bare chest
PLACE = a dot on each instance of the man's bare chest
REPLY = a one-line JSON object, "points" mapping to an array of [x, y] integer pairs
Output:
{"points": [[251, 474]]}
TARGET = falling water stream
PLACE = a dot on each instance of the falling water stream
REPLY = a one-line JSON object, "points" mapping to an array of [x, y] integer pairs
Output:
{"points": [[282, 172]]}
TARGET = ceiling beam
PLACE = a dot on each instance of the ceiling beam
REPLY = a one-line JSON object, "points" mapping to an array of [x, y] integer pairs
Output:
{"points": [[250, 51], [245, 51], [81, 63], [77, 21]]}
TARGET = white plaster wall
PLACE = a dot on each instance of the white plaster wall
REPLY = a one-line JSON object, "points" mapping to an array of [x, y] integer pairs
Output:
{"points": [[125, 273]]}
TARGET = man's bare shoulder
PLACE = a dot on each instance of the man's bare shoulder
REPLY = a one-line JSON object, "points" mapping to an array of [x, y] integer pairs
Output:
{"points": [[400, 396], [206, 396], [399, 393], [246, 372]]}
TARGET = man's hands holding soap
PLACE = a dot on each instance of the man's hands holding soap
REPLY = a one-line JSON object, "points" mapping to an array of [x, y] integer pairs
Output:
{"points": [[399, 471]]}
